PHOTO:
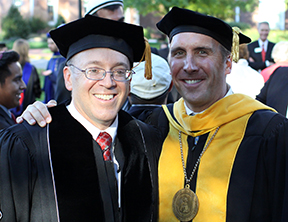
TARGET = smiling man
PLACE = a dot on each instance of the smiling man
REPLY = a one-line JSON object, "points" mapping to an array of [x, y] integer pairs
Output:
{"points": [[260, 50], [91, 163], [11, 86], [224, 156]]}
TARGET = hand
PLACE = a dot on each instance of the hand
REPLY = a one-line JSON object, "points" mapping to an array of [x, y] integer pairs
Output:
{"points": [[251, 59], [37, 112], [47, 73]]}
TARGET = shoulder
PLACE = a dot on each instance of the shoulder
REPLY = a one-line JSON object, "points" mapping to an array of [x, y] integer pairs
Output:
{"points": [[266, 123], [253, 44], [22, 138], [271, 43]]}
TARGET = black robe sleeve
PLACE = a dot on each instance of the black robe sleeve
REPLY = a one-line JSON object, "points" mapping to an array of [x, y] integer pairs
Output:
{"points": [[258, 188], [23, 180]]}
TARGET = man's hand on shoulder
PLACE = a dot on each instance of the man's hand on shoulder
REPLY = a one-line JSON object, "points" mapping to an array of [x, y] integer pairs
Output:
{"points": [[37, 112]]}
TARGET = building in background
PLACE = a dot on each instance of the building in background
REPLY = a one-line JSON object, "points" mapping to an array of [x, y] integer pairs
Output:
{"points": [[50, 10], [274, 12]]}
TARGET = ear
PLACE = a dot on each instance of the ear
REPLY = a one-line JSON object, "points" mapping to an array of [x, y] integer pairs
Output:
{"points": [[67, 78], [228, 64]]}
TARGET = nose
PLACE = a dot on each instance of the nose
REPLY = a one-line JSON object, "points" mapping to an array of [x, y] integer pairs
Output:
{"points": [[190, 64], [108, 81]]}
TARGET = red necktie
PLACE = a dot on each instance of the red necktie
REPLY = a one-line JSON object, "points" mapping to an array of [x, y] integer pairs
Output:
{"points": [[104, 140], [263, 53]]}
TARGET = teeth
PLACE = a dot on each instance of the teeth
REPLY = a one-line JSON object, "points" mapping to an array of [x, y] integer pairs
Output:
{"points": [[192, 81], [104, 97]]}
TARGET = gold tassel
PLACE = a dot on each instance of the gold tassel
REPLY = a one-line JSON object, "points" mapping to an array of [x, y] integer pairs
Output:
{"points": [[235, 44], [148, 65], [147, 56]]}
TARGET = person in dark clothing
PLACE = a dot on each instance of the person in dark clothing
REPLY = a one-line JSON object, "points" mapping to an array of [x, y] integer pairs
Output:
{"points": [[224, 155], [3, 46], [94, 161], [146, 95], [260, 50], [53, 68], [11, 86], [275, 91]]}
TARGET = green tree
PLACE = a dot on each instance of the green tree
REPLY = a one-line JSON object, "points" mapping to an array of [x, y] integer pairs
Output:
{"points": [[14, 25], [223, 9], [37, 25]]}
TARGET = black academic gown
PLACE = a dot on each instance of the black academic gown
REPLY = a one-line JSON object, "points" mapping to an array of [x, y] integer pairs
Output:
{"points": [[258, 188], [57, 173], [142, 111], [5, 119], [275, 91]]}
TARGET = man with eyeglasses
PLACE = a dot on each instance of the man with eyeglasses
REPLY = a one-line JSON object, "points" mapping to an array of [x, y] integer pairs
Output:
{"points": [[109, 9], [93, 163]]}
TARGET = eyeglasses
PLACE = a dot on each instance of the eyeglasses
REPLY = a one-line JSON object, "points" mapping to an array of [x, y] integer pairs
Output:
{"points": [[120, 75]]}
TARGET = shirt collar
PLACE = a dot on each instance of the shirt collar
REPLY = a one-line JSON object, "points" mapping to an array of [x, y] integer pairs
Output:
{"points": [[192, 113], [93, 130], [260, 42]]}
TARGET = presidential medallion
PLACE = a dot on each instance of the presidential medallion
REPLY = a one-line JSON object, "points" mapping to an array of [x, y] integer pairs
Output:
{"points": [[185, 204]]}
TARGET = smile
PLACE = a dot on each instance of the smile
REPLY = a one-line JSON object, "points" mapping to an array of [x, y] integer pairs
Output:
{"points": [[104, 97], [192, 81], [18, 96]]}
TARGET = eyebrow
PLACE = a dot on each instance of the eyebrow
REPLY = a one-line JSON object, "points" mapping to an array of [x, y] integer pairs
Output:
{"points": [[114, 65], [203, 48], [208, 48], [173, 50]]}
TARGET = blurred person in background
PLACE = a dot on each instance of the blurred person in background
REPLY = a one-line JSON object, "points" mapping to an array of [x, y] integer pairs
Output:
{"points": [[30, 77], [11, 86], [260, 50], [53, 68], [275, 91], [3, 46], [146, 95], [280, 56], [243, 79]]}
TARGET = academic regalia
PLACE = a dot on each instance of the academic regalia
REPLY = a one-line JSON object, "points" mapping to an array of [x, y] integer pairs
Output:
{"points": [[241, 175], [5, 119], [58, 173], [275, 91], [58, 168], [50, 81], [61, 94]]}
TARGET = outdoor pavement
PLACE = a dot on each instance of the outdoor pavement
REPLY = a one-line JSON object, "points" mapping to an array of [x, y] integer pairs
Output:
{"points": [[39, 57]]}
